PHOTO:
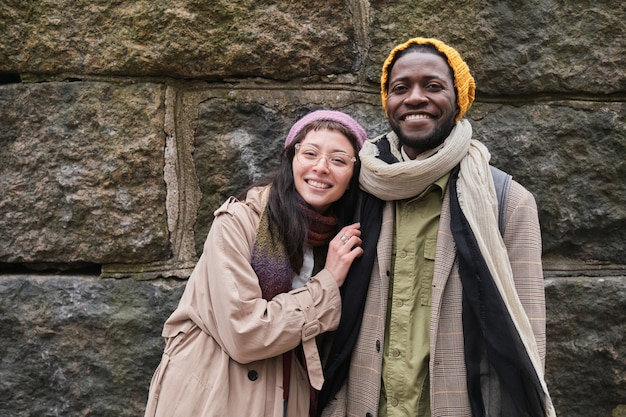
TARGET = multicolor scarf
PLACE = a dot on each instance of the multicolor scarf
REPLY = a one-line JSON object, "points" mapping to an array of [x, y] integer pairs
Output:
{"points": [[269, 259], [272, 266]]}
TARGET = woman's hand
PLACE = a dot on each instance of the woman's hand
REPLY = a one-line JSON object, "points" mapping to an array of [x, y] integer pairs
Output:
{"points": [[343, 250]]}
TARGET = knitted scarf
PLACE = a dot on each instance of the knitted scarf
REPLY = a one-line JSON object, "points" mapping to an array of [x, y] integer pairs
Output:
{"points": [[271, 265], [269, 259], [474, 211]]}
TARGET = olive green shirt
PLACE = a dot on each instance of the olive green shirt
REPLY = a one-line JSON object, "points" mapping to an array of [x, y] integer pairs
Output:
{"points": [[405, 386]]}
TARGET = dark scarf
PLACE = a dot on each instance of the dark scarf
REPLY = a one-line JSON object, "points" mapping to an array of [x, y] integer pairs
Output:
{"points": [[269, 259], [369, 212], [353, 294], [493, 346]]}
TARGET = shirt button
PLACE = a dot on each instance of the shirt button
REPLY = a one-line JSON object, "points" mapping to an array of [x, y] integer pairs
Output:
{"points": [[402, 254], [399, 303], [395, 353], [253, 375], [394, 402]]}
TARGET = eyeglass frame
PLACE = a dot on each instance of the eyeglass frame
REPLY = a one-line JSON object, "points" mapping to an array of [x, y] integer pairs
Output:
{"points": [[326, 156]]}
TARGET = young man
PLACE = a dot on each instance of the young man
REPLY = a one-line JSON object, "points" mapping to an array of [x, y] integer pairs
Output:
{"points": [[454, 319]]}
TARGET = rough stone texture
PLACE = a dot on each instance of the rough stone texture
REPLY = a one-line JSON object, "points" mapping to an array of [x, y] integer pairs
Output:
{"points": [[187, 39], [80, 345], [546, 46], [544, 146], [515, 48], [570, 155], [81, 173], [83, 346], [586, 345], [230, 156], [123, 125]]}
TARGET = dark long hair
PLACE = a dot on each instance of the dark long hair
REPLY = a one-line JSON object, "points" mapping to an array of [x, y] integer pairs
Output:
{"points": [[284, 203]]}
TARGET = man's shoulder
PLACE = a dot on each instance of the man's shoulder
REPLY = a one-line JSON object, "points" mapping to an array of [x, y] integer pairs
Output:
{"points": [[510, 194], [518, 194], [520, 200]]}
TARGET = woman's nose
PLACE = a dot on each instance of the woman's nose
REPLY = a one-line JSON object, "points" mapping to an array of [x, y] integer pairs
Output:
{"points": [[322, 163]]}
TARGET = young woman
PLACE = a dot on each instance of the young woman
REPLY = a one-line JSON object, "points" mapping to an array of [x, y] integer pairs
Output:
{"points": [[242, 341]]}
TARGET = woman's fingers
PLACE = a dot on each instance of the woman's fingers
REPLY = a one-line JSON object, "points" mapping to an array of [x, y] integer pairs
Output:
{"points": [[343, 250], [348, 233]]}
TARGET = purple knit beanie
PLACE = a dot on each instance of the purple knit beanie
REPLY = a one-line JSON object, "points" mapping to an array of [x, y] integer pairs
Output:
{"points": [[332, 115]]}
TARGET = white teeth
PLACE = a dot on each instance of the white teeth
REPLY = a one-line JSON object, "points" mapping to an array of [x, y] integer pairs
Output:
{"points": [[318, 184], [417, 116]]}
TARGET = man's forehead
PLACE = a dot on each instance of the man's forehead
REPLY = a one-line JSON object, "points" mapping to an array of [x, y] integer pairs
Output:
{"points": [[423, 64]]}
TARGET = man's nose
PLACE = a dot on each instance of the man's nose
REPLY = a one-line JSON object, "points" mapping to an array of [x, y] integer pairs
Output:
{"points": [[416, 95]]}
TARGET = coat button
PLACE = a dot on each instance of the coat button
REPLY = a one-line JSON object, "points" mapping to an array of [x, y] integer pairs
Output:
{"points": [[369, 415], [253, 375], [378, 346]]}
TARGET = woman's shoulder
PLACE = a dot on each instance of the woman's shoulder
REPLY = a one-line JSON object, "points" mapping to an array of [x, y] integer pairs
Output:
{"points": [[237, 220], [254, 202]]}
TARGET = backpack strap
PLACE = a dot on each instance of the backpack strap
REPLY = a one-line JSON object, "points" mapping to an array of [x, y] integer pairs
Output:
{"points": [[502, 182]]}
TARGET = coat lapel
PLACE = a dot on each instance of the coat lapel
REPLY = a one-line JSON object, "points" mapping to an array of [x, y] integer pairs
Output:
{"points": [[445, 256]]}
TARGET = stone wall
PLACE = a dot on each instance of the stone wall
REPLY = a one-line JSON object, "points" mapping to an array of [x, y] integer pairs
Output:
{"points": [[123, 125]]}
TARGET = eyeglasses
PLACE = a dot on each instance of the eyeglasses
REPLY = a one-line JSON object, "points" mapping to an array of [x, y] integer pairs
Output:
{"points": [[310, 155]]}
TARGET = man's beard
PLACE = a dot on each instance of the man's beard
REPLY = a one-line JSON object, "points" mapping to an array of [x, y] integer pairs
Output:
{"points": [[436, 138]]}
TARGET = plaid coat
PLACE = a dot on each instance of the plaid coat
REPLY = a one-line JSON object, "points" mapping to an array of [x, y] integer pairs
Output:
{"points": [[359, 396]]}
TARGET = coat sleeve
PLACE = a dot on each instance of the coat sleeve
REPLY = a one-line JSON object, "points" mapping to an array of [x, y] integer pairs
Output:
{"points": [[523, 241], [223, 296]]}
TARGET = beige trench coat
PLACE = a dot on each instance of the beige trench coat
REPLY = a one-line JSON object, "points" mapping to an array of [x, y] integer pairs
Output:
{"points": [[224, 342], [448, 395]]}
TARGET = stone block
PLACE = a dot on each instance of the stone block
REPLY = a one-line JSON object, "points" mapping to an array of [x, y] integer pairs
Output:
{"points": [[81, 173], [80, 345], [183, 38], [240, 133], [513, 48], [571, 156], [586, 354]]}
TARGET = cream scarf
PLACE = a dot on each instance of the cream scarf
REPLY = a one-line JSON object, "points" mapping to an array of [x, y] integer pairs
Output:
{"points": [[477, 199]]}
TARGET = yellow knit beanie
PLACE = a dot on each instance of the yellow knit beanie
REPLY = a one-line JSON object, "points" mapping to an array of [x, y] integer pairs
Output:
{"points": [[463, 80]]}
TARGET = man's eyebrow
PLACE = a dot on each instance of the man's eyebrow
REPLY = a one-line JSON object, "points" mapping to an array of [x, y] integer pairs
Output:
{"points": [[435, 76], [425, 77], [394, 80]]}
